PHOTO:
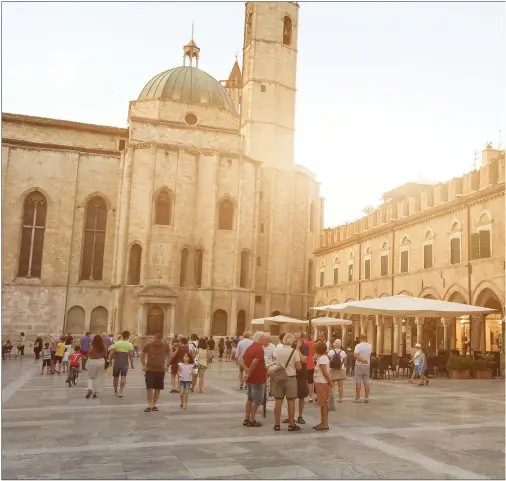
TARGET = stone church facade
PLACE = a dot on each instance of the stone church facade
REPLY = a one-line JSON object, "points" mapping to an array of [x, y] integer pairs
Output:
{"points": [[194, 218]]}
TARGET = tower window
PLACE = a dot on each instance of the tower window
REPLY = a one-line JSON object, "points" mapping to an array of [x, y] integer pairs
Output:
{"points": [[163, 208], [287, 31], [94, 240], [121, 144], [263, 88]]}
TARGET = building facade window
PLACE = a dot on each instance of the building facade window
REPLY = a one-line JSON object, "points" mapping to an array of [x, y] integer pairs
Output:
{"points": [[94, 240], [163, 208], [428, 250], [384, 259], [287, 31], [455, 250], [245, 269], [226, 215], [198, 264], [367, 263], [481, 241], [183, 275], [322, 273], [336, 276], [351, 259], [32, 235], [404, 255], [134, 266]]}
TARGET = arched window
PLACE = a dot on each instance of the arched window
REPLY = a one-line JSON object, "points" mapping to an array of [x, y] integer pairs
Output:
{"points": [[98, 320], [404, 254], [75, 320], [245, 269], [134, 265], [310, 276], [225, 215], [311, 218], [384, 259], [322, 273], [163, 208], [428, 249], [367, 262], [32, 235], [481, 241], [198, 262], [220, 323], [287, 31], [351, 260], [183, 276], [94, 240]]}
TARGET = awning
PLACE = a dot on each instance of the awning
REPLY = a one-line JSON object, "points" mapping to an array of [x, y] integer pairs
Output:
{"points": [[279, 320], [405, 306], [329, 321]]}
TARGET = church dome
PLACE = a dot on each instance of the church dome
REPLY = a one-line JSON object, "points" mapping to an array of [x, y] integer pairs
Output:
{"points": [[189, 85]]}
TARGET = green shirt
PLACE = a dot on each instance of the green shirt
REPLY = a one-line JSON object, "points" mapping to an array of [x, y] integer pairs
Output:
{"points": [[121, 349]]}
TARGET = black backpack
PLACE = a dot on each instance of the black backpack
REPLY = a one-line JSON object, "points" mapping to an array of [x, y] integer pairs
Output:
{"points": [[336, 362]]}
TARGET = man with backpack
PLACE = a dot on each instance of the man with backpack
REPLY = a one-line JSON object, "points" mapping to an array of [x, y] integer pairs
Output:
{"points": [[337, 358]]}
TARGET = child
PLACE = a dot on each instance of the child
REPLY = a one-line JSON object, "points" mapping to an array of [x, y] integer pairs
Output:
{"points": [[323, 384], [60, 352], [65, 362], [185, 369], [75, 358], [46, 358]]}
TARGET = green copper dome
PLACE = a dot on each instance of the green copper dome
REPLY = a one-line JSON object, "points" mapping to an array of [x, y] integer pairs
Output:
{"points": [[189, 85]]}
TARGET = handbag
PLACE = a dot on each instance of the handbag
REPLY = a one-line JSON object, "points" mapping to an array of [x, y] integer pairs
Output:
{"points": [[278, 374]]}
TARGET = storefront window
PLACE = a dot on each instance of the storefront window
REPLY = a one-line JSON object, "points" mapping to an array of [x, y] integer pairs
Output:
{"points": [[494, 332]]}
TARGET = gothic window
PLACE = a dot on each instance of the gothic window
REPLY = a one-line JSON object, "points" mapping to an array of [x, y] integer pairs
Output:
{"points": [[94, 240], [183, 276], [287, 31], [199, 258], [225, 215], [245, 268], [32, 235], [163, 208], [134, 265]]}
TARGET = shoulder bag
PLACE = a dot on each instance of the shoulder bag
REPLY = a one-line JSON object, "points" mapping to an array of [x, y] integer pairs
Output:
{"points": [[279, 374]]}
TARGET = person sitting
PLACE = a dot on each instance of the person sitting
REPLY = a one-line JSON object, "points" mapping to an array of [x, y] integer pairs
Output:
{"points": [[6, 349]]}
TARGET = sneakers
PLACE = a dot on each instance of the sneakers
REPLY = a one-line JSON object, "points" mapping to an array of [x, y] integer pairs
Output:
{"points": [[120, 394], [88, 393], [357, 400]]}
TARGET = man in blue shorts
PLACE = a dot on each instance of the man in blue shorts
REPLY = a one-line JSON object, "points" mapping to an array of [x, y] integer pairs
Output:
{"points": [[123, 354]]}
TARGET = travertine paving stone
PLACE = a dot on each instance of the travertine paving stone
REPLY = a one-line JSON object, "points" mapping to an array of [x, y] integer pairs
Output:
{"points": [[449, 430]]}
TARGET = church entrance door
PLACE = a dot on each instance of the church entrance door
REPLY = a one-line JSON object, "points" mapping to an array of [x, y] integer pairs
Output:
{"points": [[155, 321]]}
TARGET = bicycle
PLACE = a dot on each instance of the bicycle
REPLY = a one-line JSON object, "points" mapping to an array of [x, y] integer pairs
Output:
{"points": [[72, 377]]}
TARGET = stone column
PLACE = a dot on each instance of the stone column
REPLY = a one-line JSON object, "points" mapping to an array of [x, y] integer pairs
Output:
{"points": [[172, 323], [329, 333], [233, 316], [419, 329], [363, 325], [140, 320], [446, 333], [167, 308], [379, 335], [397, 328]]}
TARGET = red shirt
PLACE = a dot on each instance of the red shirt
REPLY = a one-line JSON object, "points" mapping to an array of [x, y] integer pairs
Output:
{"points": [[259, 374], [74, 358], [310, 358]]}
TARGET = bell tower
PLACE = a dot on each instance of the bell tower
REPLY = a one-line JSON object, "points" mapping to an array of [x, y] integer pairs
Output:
{"points": [[269, 78]]}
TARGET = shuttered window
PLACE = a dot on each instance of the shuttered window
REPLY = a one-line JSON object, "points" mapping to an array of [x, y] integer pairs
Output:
{"points": [[336, 275], [384, 265], [455, 250], [404, 261], [350, 272], [427, 256], [367, 269], [484, 244], [94, 240], [322, 278]]}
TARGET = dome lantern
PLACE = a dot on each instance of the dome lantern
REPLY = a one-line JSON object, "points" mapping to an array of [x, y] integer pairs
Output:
{"points": [[191, 51]]}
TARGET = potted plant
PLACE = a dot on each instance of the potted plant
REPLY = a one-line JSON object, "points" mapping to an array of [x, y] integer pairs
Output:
{"points": [[459, 367], [482, 367]]}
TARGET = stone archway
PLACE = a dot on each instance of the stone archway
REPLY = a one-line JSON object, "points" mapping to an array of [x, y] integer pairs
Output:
{"points": [[493, 327], [98, 320], [155, 321], [241, 322], [220, 323], [75, 321]]}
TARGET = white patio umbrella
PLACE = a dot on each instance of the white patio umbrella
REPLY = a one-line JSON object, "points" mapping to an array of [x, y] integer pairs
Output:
{"points": [[279, 320], [406, 306], [329, 321]]}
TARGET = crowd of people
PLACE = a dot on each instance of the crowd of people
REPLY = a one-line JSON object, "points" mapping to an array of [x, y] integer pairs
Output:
{"points": [[297, 368]]}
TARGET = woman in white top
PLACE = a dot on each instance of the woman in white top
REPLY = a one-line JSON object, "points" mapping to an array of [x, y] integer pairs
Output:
{"points": [[338, 375], [202, 362]]}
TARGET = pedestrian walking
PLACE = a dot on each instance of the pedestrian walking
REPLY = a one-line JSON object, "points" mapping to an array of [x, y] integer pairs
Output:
{"points": [[362, 355], [20, 345], [46, 358], [337, 358], [221, 349], [185, 371], [121, 355], [155, 366], [37, 347], [97, 357], [203, 360], [59, 353], [85, 342]]}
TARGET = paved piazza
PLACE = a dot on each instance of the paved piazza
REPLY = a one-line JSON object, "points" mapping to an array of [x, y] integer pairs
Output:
{"points": [[450, 429]]}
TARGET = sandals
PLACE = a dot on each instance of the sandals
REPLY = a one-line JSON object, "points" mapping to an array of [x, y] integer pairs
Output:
{"points": [[300, 420], [293, 427], [254, 424], [357, 401], [366, 401], [154, 409], [427, 382], [244, 423], [286, 421], [277, 427], [147, 410], [320, 428]]}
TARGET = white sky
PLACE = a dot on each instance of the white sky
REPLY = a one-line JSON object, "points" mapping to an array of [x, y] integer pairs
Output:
{"points": [[386, 92]]}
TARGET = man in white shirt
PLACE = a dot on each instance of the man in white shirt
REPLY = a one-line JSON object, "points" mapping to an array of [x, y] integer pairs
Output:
{"points": [[362, 355], [270, 359], [241, 347]]}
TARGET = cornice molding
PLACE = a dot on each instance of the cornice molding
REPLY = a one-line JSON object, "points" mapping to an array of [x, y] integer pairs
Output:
{"points": [[183, 126]]}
